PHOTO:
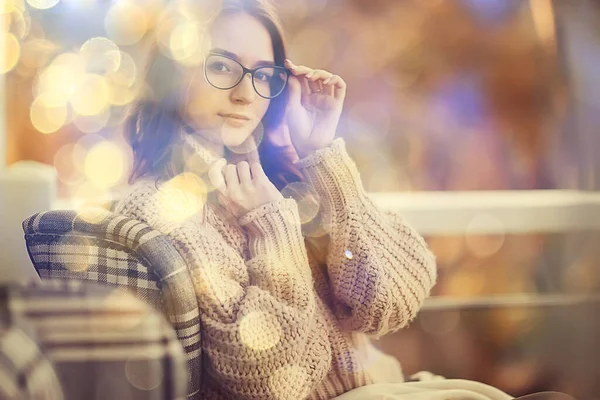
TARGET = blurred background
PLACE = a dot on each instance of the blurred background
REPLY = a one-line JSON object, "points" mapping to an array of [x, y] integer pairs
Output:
{"points": [[477, 119]]}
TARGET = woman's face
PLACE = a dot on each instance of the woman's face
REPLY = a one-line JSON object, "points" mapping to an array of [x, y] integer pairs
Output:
{"points": [[231, 116]]}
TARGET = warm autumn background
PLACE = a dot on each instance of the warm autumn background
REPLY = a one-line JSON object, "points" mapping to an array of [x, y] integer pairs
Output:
{"points": [[444, 95]]}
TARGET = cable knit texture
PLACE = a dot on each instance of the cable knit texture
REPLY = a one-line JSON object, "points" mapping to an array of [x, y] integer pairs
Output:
{"points": [[287, 313]]}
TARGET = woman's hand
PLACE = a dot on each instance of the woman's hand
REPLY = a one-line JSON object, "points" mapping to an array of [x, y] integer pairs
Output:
{"points": [[314, 109], [242, 187]]}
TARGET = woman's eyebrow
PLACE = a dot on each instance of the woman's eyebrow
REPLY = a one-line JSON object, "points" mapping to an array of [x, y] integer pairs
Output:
{"points": [[224, 52]]}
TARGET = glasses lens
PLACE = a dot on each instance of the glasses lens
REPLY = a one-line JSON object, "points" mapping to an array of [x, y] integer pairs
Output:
{"points": [[270, 81], [222, 72]]}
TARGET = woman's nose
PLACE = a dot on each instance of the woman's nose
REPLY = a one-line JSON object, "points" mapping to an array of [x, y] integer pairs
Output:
{"points": [[244, 91]]}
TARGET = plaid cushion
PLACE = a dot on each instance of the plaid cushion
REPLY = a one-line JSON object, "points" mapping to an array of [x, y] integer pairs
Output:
{"points": [[72, 340], [98, 245]]}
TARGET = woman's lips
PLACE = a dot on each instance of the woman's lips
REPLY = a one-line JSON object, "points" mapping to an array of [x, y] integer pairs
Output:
{"points": [[235, 120]]}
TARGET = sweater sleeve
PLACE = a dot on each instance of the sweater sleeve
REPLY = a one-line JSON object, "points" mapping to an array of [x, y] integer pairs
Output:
{"points": [[262, 336], [380, 269]]}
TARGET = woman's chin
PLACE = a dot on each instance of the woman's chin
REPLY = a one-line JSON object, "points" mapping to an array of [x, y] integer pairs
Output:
{"points": [[234, 137]]}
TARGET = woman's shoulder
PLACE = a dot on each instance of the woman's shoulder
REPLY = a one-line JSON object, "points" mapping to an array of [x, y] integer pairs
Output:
{"points": [[151, 202], [133, 199], [168, 208], [176, 212]]}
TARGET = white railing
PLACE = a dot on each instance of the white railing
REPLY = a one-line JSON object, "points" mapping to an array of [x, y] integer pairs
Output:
{"points": [[498, 212], [494, 212], [491, 212], [439, 303], [487, 212]]}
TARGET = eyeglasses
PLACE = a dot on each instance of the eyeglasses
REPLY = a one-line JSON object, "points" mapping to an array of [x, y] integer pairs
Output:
{"points": [[223, 72]]}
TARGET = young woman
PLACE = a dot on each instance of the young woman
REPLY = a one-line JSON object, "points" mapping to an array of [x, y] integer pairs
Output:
{"points": [[287, 302]]}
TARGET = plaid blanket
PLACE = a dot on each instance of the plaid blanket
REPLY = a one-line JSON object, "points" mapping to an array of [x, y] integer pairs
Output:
{"points": [[97, 245], [74, 340]]}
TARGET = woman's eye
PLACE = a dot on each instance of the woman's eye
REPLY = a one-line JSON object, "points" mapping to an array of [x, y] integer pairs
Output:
{"points": [[261, 76], [219, 67]]}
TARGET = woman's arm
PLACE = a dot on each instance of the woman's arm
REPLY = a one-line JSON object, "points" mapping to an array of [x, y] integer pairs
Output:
{"points": [[261, 331], [380, 268]]}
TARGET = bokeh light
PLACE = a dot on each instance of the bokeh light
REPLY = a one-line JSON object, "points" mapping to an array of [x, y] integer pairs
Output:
{"points": [[61, 78], [145, 373], [120, 95], [181, 30], [105, 165], [79, 258], [465, 282], [66, 160], [92, 123], [260, 331], [42, 4], [47, 113], [542, 14], [36, 52], [448, 250], [307, 199], [188, 43], [86, 194], [182, 197], [514, 320], [126, 73], [85, 142], [286, 377], [126, 23], [91, 95], [195, 163], [94, 215], [129, 312], [21, 24], [10, 6], [101, 55], [485, 245], [219, 282], [12, 49]]}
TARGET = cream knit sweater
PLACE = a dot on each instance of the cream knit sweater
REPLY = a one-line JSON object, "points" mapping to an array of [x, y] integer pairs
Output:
{"points": [[289, 317]]}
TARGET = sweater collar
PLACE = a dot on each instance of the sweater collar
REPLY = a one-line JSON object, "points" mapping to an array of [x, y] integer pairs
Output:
{"points": [[247, 151]]}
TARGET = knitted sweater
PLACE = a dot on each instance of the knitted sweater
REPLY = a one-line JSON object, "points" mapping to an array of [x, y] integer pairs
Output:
{"points": [[287, 314]]}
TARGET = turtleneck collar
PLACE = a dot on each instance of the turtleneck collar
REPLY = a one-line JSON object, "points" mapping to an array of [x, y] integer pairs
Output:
{"points": [[248, 151]]}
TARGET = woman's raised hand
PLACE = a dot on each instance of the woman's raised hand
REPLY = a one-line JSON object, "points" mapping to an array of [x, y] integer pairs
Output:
{"points": [[315, 105], [242, 187]]}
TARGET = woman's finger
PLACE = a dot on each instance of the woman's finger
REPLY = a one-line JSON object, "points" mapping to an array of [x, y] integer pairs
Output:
{"points": [[306, 90], [338, 84], [231, 178], [297, 70], [257, 172], [314, 77], [319, 74], [315, 87], [319, 77], [215, 175], [243, 170]]}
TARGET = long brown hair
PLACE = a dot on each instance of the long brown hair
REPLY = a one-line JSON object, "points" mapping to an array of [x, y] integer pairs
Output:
{"points": [[153, 126]]}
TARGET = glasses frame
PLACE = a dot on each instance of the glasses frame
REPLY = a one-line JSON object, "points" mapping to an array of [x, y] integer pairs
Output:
{"points": [[244, 72]]}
